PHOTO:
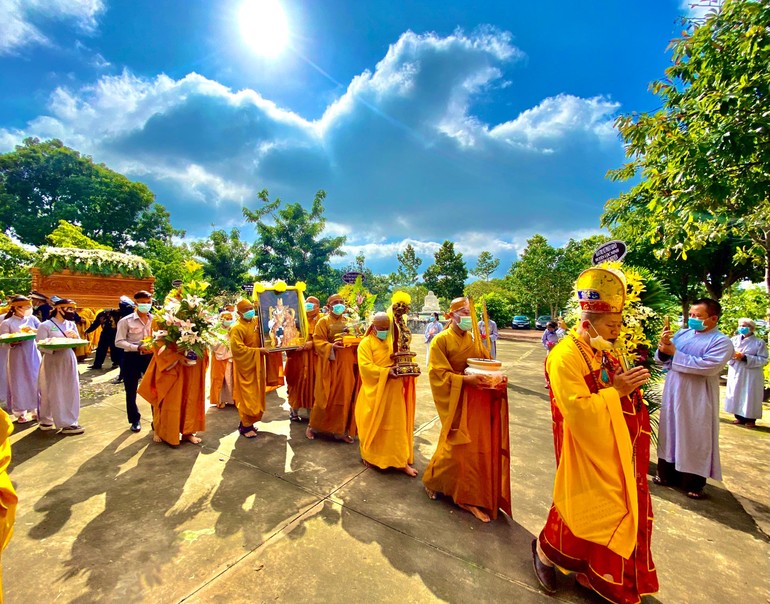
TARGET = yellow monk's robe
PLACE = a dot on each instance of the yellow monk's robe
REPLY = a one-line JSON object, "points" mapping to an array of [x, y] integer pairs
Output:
{"points": [[273, 371], [177, 393], [221, 386], [472, 460], [87, 316], [300, 372], [384, 408], [336, 381], [248, 371], [8, 498]]}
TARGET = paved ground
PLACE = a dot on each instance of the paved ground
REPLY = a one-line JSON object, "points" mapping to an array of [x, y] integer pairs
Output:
{"points": [[110, 516]]}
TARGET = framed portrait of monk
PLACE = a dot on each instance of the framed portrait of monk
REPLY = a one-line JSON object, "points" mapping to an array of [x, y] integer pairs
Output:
{"points": [[283, 322]]}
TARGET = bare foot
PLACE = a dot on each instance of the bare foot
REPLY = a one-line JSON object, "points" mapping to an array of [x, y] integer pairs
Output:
{"points": [[431, 494], [191, 438], [344, 438], [476, 512], [310, 433], [250, 434], [409, 470], [156, 438], [367, 464]]}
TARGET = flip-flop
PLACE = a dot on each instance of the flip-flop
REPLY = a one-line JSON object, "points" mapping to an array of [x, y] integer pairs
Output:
{"points": [[660, 482], [696, 495]]}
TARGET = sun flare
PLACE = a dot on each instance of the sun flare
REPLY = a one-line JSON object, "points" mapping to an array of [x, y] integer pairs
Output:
{"points": [[264, 27]]}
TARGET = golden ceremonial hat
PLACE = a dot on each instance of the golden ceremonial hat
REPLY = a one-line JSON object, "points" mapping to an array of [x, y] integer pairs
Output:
{"points": [[601, 290]]}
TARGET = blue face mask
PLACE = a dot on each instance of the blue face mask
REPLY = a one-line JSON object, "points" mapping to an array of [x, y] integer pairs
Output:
{"points": [[144, 307], [744, 331], [249, 314], [383, 335], [309, 306], [465, 323], [338, 309], [228, 323], [696, 324]]}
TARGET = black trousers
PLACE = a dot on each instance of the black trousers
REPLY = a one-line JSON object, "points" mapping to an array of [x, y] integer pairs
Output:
{"points": [[107, 340], [692, 483], [133, 367]]}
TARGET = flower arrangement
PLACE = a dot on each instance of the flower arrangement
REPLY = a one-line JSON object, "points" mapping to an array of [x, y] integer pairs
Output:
{"points": [[360, 306], [94, 262], [186, 322]]}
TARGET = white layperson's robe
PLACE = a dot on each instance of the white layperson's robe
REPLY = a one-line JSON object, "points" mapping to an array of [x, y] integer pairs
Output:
{"points": [[745, 380], [23, 366], [688, 435], [59, 380]]}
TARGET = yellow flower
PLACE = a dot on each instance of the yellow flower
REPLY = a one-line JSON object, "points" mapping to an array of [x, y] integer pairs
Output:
{"points": [[400, 296], [259, 288], [301, 286], [279, 286], [191, 266]]}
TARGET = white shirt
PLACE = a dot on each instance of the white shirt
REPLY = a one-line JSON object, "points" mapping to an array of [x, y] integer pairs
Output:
{"points": [[131, 331]]}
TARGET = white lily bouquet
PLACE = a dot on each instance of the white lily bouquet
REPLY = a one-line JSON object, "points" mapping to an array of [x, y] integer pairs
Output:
{"points": [[188, 324]]}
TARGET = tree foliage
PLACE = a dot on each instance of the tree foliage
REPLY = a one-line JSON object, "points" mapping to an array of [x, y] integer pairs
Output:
{"points": [[486, 264], [291, 245], [703, 160], [70, 235], [226, 261], [15, 277], [42, 183], [167, 261], [446, 276], [408, 271]]}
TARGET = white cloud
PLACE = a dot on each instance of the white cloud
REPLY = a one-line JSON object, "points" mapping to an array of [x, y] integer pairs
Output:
{"points": [[401, 154], [21, 21], [699, 9]]}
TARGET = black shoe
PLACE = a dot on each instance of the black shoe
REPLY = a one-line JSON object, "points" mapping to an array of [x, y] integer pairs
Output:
{"points": [[117, 380], [546, 575], [94, 367], [136, 427]]}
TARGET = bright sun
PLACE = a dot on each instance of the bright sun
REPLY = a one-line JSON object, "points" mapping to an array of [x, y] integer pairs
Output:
{"points": [[264, 27]]}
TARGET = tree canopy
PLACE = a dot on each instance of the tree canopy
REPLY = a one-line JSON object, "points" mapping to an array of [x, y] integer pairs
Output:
{"points": [[291, 245], [70, 235], [446, 276], [408, 271], [42, 183], [703, 160], [486, 264], [226, 261]]}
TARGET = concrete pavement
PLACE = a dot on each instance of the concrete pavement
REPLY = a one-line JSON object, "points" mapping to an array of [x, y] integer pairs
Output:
{"points": [[110, 516]]}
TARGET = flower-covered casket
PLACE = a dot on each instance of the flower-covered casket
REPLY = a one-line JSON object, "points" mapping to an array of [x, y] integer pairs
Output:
{"points": [[93, 278]]}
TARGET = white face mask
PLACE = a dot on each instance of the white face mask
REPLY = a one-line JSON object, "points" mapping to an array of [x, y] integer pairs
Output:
{"points": [[598, 342], [27, 312]]}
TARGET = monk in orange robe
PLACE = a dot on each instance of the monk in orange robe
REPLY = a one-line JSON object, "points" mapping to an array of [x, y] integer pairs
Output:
{"points": [[600, 523], [8, 498], [472, 460], [221, 386], [336, 377], [385, 403], [248, 369], [300, 366], [175, 386]]}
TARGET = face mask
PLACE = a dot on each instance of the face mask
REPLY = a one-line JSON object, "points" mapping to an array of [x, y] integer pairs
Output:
{"points": [[465, 323], [696, 324], [228, 323], [383, 335], [69, 316], [249, 314], [744, 331], [338, 309], [144, 307], [598, 342], [309, 306], [27, 312]]}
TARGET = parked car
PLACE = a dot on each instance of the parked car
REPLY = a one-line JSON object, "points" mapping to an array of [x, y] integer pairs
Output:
{"points": [[520, 322], [542, 321]]}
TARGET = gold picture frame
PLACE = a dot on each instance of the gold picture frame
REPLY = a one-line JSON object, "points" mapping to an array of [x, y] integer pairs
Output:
{"points": [[282, 317]]}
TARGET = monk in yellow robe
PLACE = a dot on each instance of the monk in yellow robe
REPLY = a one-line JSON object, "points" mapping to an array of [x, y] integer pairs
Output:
{"points": [[600, 523], [221, 385], [472, 460], [248, 369], [175, 387], [87, 317], [336, 377], [300, 366], [8, 498], [385, 403]]}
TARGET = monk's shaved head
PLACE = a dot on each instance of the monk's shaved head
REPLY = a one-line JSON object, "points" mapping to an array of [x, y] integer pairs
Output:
{"points": [[381, 321]]}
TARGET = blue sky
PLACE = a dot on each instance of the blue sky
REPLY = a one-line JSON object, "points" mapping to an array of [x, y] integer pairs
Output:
{"points": [[482, 123]]}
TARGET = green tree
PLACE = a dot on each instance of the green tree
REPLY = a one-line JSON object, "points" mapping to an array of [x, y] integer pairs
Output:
{"points": [[500, 307], [15, 261], [408, 270], [534, 277], [743, 302], [226, 261], [486, 264], [702, 161], [42, 183], [166, 260], [70, 235], [291, 246], [446, 276]]}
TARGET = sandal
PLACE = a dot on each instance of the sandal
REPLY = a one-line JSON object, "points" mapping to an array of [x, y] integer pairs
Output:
{"points": [[696, 495], [294, 417], [660, 482], [245, 430]]}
